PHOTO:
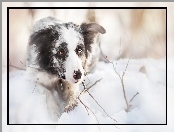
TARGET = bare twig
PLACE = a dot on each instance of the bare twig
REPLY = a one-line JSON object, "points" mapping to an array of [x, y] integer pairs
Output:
{"points": [[10, 65], [126, 67], [86, 90], [101, 106], [123, 85], [86, 107], [84, 86], [121, 79], [88, 81], [113, 66], [122, 82], [133, 97], [94, 84]]}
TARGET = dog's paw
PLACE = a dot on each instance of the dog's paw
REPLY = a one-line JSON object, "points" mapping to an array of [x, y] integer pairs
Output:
{"points": [[71, 105]]}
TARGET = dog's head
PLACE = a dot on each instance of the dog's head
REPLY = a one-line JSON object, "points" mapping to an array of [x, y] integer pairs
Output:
{"points": [[61, 49]]}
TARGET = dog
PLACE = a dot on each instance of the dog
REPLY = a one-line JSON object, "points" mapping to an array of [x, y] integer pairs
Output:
{"points": [[60, 54]]}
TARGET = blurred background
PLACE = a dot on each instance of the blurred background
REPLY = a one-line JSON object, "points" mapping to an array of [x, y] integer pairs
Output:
{"points": [[139, 33]]}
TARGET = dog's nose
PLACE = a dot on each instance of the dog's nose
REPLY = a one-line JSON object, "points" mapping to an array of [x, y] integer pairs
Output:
{"points": [[77, 75], [63, 77]]}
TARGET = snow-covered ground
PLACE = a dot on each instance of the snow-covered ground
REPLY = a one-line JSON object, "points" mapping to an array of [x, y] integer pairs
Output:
{"points": [[30, 102]]}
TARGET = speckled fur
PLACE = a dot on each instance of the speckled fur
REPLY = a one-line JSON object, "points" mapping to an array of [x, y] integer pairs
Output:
{"points": [[56, 50]]}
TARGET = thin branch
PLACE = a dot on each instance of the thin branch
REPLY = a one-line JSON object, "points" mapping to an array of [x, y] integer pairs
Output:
{"points": [[133, 97], [126, 67], [88, 80], [124, 92], [121, 79], [128, 106], [101, 107], [84, 86], [86, 107], [86, 90], [12, 66], [16, 67], [94, 83], [113, 66], [122, 83]]}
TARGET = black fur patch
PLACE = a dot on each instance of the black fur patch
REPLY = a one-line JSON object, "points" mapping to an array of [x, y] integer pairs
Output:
{"points": [[88, 39], [45, 41], [62, 48], [72, 25], [81, 48], [88, 31]]}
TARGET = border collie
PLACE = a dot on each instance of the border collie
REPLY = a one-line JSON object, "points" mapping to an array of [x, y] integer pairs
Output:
{"points": [[60, 54]]}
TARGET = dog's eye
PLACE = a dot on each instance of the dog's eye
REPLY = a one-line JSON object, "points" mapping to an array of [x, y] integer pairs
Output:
{"points": [[79, 51], [61, 52]]}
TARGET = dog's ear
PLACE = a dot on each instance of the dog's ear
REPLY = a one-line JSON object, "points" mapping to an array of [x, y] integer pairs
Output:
{"points": [[43, 24], [44, 36], [89, 31], [43, 41], [44, 30], [92, 27]]}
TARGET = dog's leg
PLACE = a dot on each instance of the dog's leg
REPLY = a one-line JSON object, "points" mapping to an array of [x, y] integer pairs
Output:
{"points": [[67, 93], [71, 102]]}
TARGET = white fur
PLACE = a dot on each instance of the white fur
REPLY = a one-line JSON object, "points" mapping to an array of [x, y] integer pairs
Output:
{"points": [[41, 77], [64, 90], [72, 63], [71, 37]]}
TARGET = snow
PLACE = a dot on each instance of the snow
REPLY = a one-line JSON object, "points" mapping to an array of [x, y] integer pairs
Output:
{"points": [[32, 103], [35, 104]]}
